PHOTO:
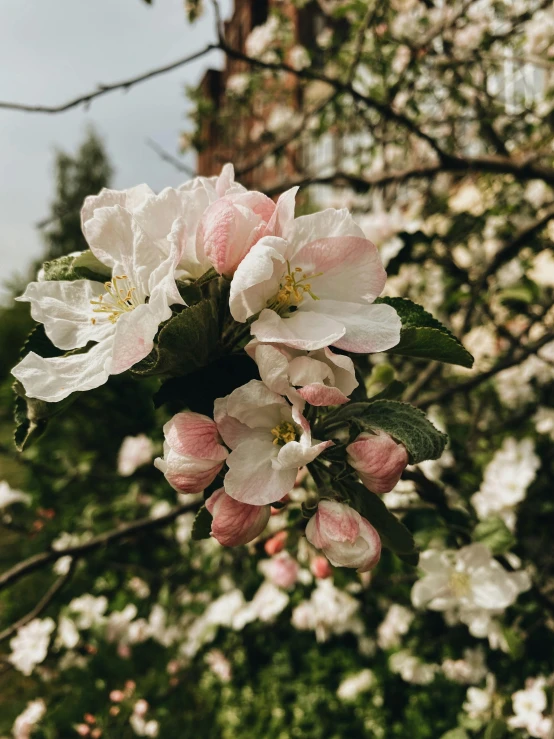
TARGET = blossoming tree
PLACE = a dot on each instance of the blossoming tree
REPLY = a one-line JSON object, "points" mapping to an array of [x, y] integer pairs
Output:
{"points": [[221, 405]]}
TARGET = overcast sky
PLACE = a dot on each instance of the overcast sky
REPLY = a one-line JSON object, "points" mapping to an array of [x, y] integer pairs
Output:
{"points": [[52, 50]]}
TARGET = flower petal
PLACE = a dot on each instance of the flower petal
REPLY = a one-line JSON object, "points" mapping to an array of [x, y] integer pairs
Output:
{"points": [[302, 330], [368, 328], [55, 378], [195, 435], [252, 478], [257, 277], [66, 311]]}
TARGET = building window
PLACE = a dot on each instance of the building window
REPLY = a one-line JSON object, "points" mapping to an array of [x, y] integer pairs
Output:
{"points": [[260, 10]]}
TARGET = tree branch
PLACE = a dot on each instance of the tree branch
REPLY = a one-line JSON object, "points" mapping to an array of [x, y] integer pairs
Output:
{"points": [[170, 159], [41, 606], [105, 89], [38, 561]]}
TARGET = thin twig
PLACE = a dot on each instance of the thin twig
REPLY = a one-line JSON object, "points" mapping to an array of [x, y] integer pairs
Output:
{"points": [[38, 561], [169, 158], [105, 89], [41, 606]]}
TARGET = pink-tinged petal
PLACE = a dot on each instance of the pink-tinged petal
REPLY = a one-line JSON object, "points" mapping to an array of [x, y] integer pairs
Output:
{"points": [[66, 311], [378, 459], [346, 539], [296, 454], [272, 365], [196, 435], [322, 225], [349, 269], [320, 567], [53, 379], [283, 216], [258, 203], [231, 430], [252, 477], [343, 369], [134, 337], [318, 394], [216, 234], [256, 405], [235, 523], [130, 199], [308, 370], [257, 278], [302, 330], [367, 328], [225, 180], [185, 473]]}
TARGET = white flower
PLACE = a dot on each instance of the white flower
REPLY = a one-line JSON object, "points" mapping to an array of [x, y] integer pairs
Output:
{"points": [[237, 84], [267, 603], [219, 665], [118, 622], [30, 644], [469, 578], [121, 316], [283, 121], [544, 421], [315, 287], [411, 669], [478, 702], [351, 687], [328, 611], [506, 479], [142, 727], [25, 723], [8, 496], [270, 441], [133, 453], [261, 37], [299, 57], [468, 198], [68, 635], [90, 610], [470, 669], [528, 706], [319, 377], [396, 624]]}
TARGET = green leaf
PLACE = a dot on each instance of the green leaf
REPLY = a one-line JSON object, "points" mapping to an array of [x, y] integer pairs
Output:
{"points": [[202, 526], [514, 642], [496, 729], [187, 342], [424, 337], [495, 534], [406, 424], [85, 266], [458, 733], [394, 535]]}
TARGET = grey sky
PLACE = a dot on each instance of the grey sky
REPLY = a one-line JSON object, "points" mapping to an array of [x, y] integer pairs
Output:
{"points": [[52, 50]]}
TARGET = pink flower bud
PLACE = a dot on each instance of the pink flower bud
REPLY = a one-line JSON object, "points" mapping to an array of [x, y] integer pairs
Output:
{"points": [[378, 459], [235, 523], [320, 567], [82, 729], [346, 539], [193, 452], [276, 544], [281, 570], [116, 696], [231, 226], [141, 707]]}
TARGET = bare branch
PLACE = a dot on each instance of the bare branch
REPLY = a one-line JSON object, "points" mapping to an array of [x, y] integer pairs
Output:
{"points": [[170, 159], [105, 89], [41, 606], [38, 561]]}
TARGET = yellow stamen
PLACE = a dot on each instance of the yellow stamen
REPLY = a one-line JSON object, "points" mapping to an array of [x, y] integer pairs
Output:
{"points": [[292, 290], [283, 433], [119, 298]]}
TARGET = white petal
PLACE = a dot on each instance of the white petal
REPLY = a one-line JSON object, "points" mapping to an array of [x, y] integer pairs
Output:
{"points": [[321, 225], [66, 311], [257, 278], [54, 379], [368, 328], [134, 336], [273, 366], [296, 454], [130, 199], [344, 268], [252, 478], [256, 405], [302, 330]]}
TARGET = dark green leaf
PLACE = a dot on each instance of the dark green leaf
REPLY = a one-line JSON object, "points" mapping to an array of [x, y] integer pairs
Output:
{"points": [[424, 337], [202, 525], [85, 266], [495, 534], [187, 342], [394, 535], [403, 422], [514, 641]]}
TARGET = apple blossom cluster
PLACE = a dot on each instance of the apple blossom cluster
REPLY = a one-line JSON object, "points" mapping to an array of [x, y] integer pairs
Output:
{"points": [[184, 280]]}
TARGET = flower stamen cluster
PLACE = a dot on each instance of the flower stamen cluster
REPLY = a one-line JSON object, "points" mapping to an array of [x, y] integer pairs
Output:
{"points": [[119, 298]]}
